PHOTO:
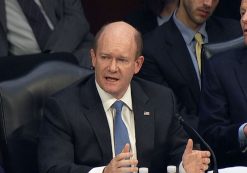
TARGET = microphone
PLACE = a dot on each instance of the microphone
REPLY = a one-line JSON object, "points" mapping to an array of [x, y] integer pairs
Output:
{"points": [[192, 132]]}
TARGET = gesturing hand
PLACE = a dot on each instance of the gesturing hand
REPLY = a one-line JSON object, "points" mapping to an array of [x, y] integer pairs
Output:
{"points": [[195, 161], [122, 162]]}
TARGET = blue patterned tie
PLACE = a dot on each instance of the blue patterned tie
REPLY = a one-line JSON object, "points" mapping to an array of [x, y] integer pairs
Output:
{"points": [[121, 136]]}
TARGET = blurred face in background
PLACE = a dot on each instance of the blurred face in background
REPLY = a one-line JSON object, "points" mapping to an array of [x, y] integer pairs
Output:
{"points": [[243, 20], [193, 13], [115, 58]]}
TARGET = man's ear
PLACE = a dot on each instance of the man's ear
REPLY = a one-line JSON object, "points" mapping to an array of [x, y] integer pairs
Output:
{"points": [[93, 57], [138, 63]]}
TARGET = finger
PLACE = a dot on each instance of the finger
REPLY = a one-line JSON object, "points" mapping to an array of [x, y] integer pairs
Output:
{"points": [[126, 148], [205, 153], [202, 154], [127, 163], [206, 161], [128, 169], [123, 156], [204, 167], [189, 147]]}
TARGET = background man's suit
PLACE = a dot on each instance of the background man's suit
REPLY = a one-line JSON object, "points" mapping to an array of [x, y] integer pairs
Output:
{"points": [[76, 130], [70, 34], [168, 61], [223, 107]]}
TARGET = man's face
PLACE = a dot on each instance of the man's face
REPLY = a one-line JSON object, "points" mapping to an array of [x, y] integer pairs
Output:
{"points": [[115, 61], [196, 12], [243, 21]]}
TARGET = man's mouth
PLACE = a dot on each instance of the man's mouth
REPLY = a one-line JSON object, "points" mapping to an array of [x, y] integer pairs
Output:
{"points": [[111, 79], [203, 12]]}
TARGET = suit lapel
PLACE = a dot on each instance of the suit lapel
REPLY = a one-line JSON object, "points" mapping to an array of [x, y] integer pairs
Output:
{"points": [[48, 7], [241, 72], [96, 116], [3, 15], [180, 56], [144, 124]]}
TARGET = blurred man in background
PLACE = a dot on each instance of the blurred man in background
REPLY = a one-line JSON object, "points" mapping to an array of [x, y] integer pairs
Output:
{"points": [[223, 107], [35, 26]]}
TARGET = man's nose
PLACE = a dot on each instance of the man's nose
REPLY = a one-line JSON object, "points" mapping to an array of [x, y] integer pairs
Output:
{"points": [[244, 17], [208, 3], [113, 65]]}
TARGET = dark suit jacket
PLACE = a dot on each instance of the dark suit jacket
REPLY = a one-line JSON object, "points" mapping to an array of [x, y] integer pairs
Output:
{"points": [[223, 107], [71, 29], [75, 135], [168, 62], [228, 8]]}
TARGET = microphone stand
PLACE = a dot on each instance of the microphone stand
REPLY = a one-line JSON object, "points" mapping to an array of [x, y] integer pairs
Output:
{"points": [[195, 134]]}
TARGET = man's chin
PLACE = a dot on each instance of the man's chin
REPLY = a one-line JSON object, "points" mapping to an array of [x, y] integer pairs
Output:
{"points": [[116, 93], [111, 90]]}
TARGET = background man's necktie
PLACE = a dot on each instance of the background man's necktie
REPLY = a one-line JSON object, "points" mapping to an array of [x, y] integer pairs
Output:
{"points": [[36, 20], [121, 136], [199, 42]]}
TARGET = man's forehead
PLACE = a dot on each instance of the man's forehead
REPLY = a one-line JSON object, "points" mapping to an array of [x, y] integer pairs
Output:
{"points": [[119, 28], [243, 4]]}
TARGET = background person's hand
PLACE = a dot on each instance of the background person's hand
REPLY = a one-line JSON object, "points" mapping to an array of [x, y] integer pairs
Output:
{"points": [[122, 162], [195, 161]]}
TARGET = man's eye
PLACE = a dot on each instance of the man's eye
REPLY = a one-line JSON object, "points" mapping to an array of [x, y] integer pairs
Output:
{"points": [[121, 60], [242, 13], [104, 57]]}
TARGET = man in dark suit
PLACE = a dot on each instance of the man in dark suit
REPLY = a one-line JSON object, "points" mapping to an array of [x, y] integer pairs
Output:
{"points": [[170, 54], [65, 18], [80, 130], [223, 106]]}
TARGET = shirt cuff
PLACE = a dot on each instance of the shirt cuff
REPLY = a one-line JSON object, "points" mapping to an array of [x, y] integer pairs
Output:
{"points": [[181, 168], [97, 170], [241, 136]]}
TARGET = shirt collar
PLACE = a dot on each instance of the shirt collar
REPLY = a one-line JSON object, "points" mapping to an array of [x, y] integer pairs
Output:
{"points": [[107, 99]]}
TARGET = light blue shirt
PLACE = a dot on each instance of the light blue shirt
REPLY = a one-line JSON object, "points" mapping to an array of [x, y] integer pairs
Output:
{"points": [[188, 35]]}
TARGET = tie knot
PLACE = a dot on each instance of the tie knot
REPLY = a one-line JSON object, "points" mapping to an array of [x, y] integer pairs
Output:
{"points": [[118, 105], [198, 38]]}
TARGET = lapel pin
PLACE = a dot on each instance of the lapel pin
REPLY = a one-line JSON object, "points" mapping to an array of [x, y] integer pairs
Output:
{"points": [[146, 113]]}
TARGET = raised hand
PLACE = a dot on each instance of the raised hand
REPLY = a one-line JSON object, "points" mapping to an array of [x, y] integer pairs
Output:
{"points": [[195, 161], [122, 162]]}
